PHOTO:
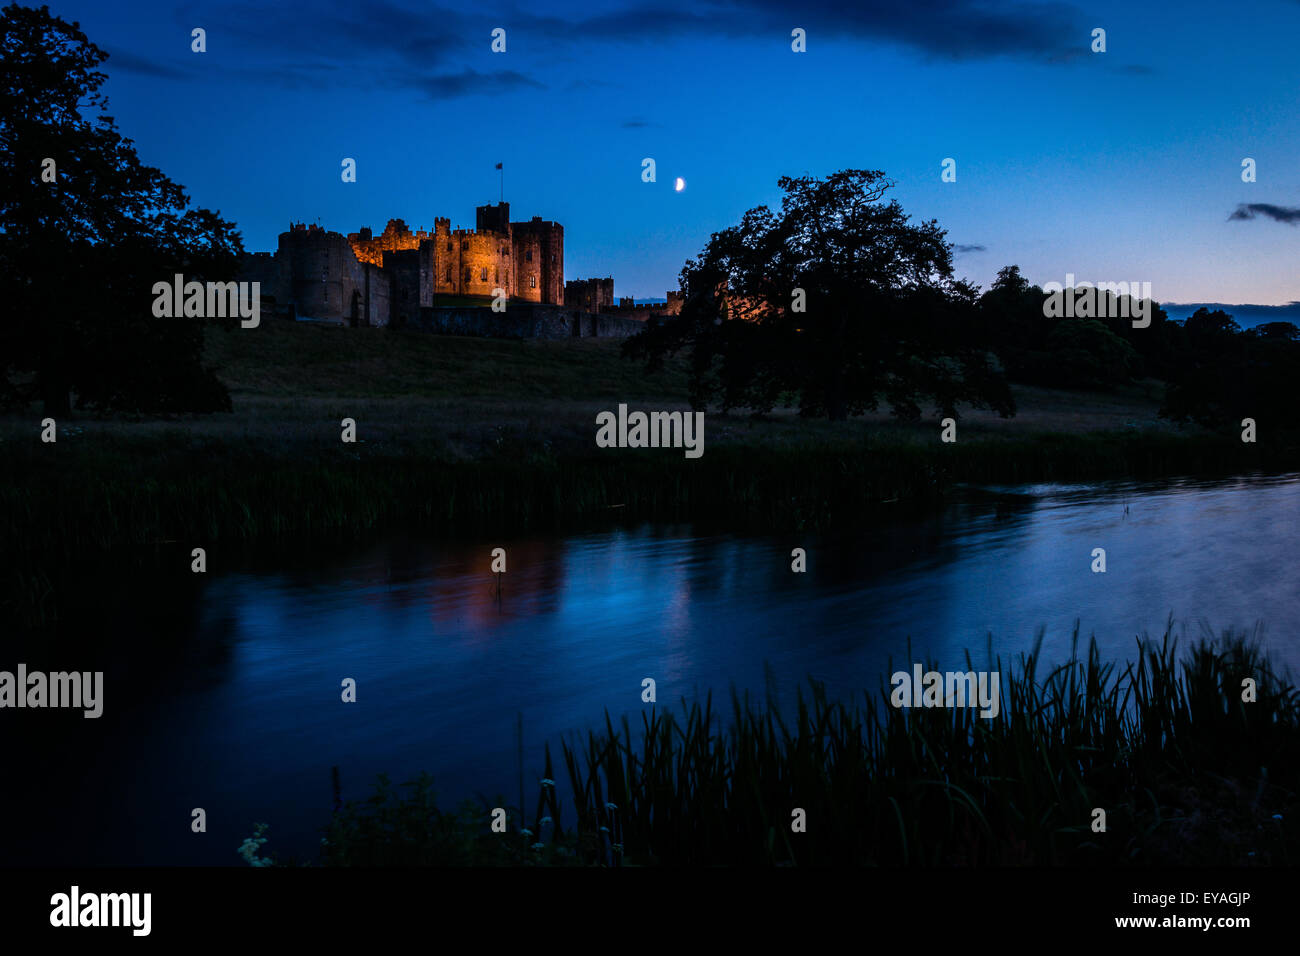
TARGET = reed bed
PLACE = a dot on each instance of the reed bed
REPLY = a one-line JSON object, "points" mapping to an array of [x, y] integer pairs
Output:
{"points": [[1187, 772]]}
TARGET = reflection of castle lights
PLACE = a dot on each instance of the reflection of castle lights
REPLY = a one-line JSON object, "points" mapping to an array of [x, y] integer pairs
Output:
{"points": [[680, 184]]}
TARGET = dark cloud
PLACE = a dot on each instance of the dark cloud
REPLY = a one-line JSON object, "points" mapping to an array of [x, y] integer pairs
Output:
{"points": [[119, 60], [429, 48], [959, 248], [423, 35], [960, 29], [646, 22], [1287, 214], [469, 82], [382, 44], [365, 35]]}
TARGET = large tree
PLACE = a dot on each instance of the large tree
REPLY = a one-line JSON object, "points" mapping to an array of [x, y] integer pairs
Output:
{"points": [[1039, 349], [1225, 374], [86, 229], [836, 302]]}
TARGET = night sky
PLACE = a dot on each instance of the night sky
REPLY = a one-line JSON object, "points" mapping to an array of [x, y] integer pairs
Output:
{"points": [[1122, 166]]}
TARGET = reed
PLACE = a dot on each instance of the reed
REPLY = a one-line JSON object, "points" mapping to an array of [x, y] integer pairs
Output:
{"points": [[1187, 772]]}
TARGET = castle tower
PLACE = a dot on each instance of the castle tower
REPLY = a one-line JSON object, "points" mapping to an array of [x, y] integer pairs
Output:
{"points": [[322, 278], [493, 218], [539, 260]]}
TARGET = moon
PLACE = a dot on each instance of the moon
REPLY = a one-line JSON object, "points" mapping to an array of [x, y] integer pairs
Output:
{"points": [[680, 184]]}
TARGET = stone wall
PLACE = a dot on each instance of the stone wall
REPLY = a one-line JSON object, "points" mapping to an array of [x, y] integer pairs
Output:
{"points": [[525, 321], [396, 237], [403, 269], [640, 313], [590, 295], [374, 289]]}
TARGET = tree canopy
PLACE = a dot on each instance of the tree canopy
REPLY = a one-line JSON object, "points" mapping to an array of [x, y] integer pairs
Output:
{"points": [[836, 302], [86, 229]]}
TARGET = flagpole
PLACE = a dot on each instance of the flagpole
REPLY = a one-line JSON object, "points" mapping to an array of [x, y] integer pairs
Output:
{"points": [[502, 167]]}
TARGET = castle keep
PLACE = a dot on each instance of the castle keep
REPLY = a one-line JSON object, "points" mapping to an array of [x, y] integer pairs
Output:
{"points": [[526, 259], [443, 280]]}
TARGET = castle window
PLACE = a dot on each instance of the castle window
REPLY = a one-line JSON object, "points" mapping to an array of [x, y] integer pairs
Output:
{"points": [[532, 280], [449, 245], [468, 273], [528, 256], [482, 274], [448, 275], [496, 276], [464, 245], [552, 258]]}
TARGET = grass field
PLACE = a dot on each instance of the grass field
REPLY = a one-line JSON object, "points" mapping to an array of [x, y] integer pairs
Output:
{"points": [[461, 397]]}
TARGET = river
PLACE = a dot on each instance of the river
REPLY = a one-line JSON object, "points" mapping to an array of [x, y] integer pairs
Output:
{"points": [[228, 696]]}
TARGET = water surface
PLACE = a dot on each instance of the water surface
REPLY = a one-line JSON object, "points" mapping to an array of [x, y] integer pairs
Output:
{"points": [[227, 696]]}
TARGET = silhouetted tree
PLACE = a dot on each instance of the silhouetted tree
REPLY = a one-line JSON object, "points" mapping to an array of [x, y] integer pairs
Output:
{"points": [[80, 253], [835, 303], [1083, 353], [1012, 319], [1224, 374], [1284, 331], [1041, 349], [1209, 330]]}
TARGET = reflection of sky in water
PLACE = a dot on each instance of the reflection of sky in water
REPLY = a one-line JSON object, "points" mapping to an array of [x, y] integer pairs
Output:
{"points": [[247, 721]]}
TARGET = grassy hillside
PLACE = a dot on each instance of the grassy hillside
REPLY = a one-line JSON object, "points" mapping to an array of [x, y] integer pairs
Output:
{"points": [[281, 359], [464, 396]]}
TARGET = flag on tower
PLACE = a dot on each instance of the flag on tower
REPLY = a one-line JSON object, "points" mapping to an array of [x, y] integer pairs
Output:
{"points": [[498, 165]]}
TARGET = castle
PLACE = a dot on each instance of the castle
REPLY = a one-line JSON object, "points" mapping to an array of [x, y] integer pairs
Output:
{"points": [[444, 280]]}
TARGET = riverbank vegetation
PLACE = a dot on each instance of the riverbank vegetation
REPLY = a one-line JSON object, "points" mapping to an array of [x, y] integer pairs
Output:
{"points": [[473, 435], [1186, 770], [147, 500]]}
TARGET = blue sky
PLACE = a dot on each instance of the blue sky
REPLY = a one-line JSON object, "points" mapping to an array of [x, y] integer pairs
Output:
{"points": [[1118, 166]]}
